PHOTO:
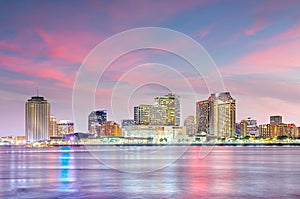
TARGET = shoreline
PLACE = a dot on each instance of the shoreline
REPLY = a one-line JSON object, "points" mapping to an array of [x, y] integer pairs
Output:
{"points": [[178, 144]]}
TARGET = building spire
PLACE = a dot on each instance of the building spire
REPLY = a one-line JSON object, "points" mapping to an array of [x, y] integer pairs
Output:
{"points": [[37, 91]]}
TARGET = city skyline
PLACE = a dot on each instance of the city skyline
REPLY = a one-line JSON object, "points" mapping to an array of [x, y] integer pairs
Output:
{"points": [[254, 44]]}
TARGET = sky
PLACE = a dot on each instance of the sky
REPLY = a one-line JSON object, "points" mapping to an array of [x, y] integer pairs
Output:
{"points": [[254, 44]]}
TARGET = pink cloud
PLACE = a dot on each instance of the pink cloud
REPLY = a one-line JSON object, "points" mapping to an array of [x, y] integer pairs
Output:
{"points": [[257, 26], [281, 57], [44, 69], [205, 31], [71, 46], [9, 46]]}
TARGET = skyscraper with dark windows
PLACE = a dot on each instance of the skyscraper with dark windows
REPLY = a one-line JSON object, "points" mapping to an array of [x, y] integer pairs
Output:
{"points": [[202, 117], [275, 119], [95, 120], [37, 119]]}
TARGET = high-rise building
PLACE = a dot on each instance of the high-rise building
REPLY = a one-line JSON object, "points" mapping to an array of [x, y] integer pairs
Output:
{"points": [[142, 114], [95, 120], [222, 115], [53, 126], [158, 115], [277, 119], [65, 127], [202, 117], [37, 119], [172, 105], [190, 125], [110, 128]]}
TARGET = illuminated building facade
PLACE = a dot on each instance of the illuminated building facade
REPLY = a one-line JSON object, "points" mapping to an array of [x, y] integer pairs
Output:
{"points": [[249, 127], [142, 114], [37, 119], [53, 126], [190, 125], [222, 115], [65, 127], [110, 128], [202, 117], [172, 105], [158, 115], [157, 133]]}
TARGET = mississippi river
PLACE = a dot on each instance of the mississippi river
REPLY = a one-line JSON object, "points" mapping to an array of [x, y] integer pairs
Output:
{"points": [[150, 172]]}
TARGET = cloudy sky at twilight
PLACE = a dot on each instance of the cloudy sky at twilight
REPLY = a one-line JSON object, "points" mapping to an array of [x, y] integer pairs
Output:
{"points": [[255, 44]]}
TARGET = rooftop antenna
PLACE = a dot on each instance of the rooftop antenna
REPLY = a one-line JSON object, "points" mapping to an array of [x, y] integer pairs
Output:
{"points": [[37, 91]]}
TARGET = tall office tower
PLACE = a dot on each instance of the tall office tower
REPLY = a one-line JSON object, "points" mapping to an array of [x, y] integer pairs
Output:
{"points": [[202, 117], [37, 119], [53, 126], [158, 115], [172, 104], [277, 119], [222, 115], [142, 114], [95, 120], [65, 127], [190, 125]]}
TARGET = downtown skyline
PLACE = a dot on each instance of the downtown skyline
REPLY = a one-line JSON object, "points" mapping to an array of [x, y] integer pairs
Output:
{"points": [[255, 45]]}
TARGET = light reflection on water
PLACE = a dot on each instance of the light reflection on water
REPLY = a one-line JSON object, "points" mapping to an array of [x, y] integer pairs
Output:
{"points": [[72, 172]]}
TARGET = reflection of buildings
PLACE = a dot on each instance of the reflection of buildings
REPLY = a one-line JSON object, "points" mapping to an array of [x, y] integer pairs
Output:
{"points": [[172, 106], [53, 126], [95, 120], [189, 124], [65, 127], [110, 128], [37, 119], [217, 115]]}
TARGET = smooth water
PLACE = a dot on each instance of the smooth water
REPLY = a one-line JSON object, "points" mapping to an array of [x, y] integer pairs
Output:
{"points": [[75, 172]]}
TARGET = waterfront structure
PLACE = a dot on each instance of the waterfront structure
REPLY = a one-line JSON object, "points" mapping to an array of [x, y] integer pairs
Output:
{"points": [[142, 114], [65, 127], [171, 104], [159, 134], [95, 120], [110, 128], [277, 119], [127, 122], [202, 117], [190, 125], [53, 126], [37, 119]]}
